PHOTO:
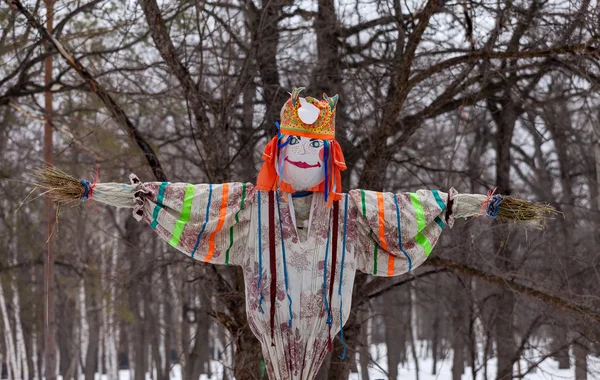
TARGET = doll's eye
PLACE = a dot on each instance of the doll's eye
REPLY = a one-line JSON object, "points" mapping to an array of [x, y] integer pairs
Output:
{"points": [[294, 140], [316, 143]]}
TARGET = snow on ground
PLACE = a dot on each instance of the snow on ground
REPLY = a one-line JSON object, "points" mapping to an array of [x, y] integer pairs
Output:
{"points": [[547, 370]]}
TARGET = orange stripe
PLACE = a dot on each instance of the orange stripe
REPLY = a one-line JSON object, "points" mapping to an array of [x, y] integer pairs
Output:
{"points": [[381, 211], [222, 212], [391, 259]]}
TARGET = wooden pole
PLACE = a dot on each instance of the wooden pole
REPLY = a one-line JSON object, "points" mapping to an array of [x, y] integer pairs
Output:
{"points": [[49, 316]]}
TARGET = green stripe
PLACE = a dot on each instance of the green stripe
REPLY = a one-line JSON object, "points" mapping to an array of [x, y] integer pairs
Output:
{"points": [[364, 204], [241, 202], [439, 222], [186, 211], [375, 258], [423, 242], [438, 199], [237, 220], [376, 249], [421, 222], [230, 244], [159, 205]]}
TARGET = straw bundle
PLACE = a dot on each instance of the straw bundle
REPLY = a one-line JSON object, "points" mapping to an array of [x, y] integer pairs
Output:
{"points": [[65, 190], [62, 188], [510, 209], [519, 210]]}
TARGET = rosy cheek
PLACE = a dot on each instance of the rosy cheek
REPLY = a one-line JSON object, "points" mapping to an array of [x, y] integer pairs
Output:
{"points": [[322, 154]]}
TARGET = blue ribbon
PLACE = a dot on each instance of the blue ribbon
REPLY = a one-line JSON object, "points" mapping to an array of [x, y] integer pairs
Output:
{"points": [[86, 185], [326, 162], [494, 205]]}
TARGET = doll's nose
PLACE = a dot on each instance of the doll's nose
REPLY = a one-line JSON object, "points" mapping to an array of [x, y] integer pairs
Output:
{"points": [[302, 149]]}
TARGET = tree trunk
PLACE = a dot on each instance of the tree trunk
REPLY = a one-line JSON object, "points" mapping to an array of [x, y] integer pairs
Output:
{"points": [[560, 345], [412, 329], [340, 369], [265, 23], [93, 340], [505, 344], [505, 116], [365, 345], [580, 352], [247, 364], [323, 373], [458, 324], [596, 191], [139, 335], [50, 319], [12, 363], [435, 341], [391, 311]]}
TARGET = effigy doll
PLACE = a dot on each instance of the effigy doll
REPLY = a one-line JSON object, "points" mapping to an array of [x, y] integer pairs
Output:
{"points": [[297, 237]]}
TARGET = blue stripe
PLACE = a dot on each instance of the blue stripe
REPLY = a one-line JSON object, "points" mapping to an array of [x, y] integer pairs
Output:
{"points": [[438, 199], [260, 265], [439, 222], [400, 234], [325, 273], [326, 164], [342, 276], [285, 275], [205, 220], [159, 205]]}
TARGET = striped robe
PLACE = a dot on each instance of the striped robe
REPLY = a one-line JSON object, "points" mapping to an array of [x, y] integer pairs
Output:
{"points": [[298, 292]]}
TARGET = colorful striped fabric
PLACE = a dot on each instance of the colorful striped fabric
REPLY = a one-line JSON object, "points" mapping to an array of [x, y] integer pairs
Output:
{"points": [[405, 228], [203, 221]]}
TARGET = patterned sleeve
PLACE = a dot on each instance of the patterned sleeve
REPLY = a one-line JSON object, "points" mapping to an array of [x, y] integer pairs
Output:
{"points": [[209, 223], [396, 232]]}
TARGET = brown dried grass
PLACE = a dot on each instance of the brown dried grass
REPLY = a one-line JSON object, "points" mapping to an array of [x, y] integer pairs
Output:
{"points": [[520, 210], [61, 187]]}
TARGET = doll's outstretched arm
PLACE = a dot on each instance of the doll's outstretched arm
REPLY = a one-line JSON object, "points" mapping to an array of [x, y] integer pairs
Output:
{"points": [[207, 222]]}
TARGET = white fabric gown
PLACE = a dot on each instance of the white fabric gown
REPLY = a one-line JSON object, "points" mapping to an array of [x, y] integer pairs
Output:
{"points": [[304, 257]]}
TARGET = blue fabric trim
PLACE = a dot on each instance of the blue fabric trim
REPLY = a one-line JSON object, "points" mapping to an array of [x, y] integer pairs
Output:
{"points": [[400, 234], [494, 206], [301, 194], [285, 275], [205, 219], [159, 205], [287, 141], [438, 199], [439, 222], [325, 274], [86, 186], [326, 164], [341, 277]]}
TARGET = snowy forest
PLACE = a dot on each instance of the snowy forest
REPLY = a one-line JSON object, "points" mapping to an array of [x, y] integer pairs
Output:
{"points": [[475, 95]]}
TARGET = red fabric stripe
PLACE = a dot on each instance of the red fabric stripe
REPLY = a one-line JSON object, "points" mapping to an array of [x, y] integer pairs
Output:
{"points": [[336, 211], [272, 258]]}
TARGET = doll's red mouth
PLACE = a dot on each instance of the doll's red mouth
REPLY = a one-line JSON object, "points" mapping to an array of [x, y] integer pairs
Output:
{"points": [[302, 164]]}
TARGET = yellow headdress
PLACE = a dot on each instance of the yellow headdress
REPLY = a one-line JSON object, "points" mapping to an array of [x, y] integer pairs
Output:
{"points": [[323, 127]]}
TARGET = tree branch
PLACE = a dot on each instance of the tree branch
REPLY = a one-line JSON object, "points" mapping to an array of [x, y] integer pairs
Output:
{"points": [[113, 107], [503, 282]]}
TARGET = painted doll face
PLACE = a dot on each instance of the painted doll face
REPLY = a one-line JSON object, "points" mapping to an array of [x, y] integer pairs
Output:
{"points": [[304, 165]]}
